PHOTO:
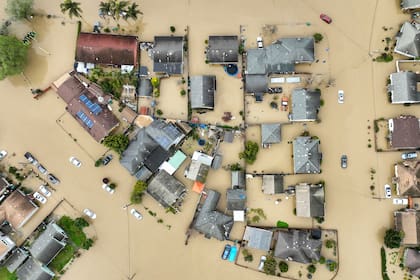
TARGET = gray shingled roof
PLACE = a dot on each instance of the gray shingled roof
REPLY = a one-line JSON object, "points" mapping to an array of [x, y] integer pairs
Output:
{"points": [[223, 49], [410, 4], [305, 105], [168, 54], [211, 222], [49, 243], [298, 246], [145, 87], [310, 200], [143, 174], [258, 238], [403, 87], [412, 261], [257, 83], [166, 189], [272, 184], [270, 133], [306, 155], [202, 92], [156, 158], [236, 199], [165, 134], [16, 259], [34, 270], [408, 40], [238, 179]]}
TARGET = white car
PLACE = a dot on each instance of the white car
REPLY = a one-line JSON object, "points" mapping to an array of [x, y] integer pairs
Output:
{"points": [[388, 192], [262, 261], [136, 214], [260, 43], [45, 191], [89, 213], [400, 201], [3, 154], [341, 96], [39, 197], [108, 188], [75, 161]]}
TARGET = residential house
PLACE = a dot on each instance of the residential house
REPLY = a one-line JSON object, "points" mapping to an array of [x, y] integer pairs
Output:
{"points": [[277, 58], [222, 50], [150, 148], [168, 55], [270, 134], [16, 259], [202, 92], [408, 40], [49, 243], [305, 105], [298, 246], [272, 184], [408, 221], [17, 209], [174, 162], [408, 5], [306, 155], [404, 87], [407, 178], [211, 222], [32, 269], [6, 247], [236, 202], [167, 190], [128, 115], [87, 103], [4, 184], [310, 200], [412, 261], [238, 179], [145, 88], [404, 132], [197, 171], [107, 49], [258, 238]]}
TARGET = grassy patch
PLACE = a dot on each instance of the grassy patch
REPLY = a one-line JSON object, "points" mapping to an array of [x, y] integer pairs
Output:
{"points": [[75, 233], [63, 258], [6, 275]]}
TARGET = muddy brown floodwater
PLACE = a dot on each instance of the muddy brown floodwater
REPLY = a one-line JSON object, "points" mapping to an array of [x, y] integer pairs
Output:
{"points": [[129, 249]]}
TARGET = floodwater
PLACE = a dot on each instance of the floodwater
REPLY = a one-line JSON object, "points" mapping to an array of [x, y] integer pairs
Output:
{"points": [[147, 249]]}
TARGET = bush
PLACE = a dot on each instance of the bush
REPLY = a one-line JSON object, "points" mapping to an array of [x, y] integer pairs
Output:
{"points": [[284, 267], [250, 153], [270, 265], [63, 258], [322, 260], [98, 162], [330, 243], [281, 224], [172, 28], [311, 268], [331, 265], [393, 238], [74, 232], [318, 37], [183, 92], [81, 222], [138, 192], [88, 243], [112, 186], [159, 112], [235, 167]]}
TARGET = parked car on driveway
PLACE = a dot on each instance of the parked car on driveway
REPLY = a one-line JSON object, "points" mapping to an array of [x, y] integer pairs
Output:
{"points": [[136, 214], [226, 252], [262, 261], [53, 179], [410, 155], [343, 161], [75, 161], [388, 192], [106, 159], [108, 188], [39, 197], [325, 18], [42, 169], [3, 154], [89, 213], [341, 96], [45, 191]]}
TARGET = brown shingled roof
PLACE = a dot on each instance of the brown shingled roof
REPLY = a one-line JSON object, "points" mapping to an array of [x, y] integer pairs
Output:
{"points": [[17, 209], [107, 49], [406, 134]]}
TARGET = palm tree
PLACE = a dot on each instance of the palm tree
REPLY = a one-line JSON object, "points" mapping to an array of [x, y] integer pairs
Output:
{"points": [[132, 12], [119, 9], [73, 8], [105, 8]]}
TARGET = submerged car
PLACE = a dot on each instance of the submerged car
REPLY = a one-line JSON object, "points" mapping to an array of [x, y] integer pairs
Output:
{"points": [[341, 96], [75, 161], [89, 213], [136, 214], [226, 252], [3, 154], [42, 169], [262, 261], [106, 159], [53, 179], [325, 18], [388, 192], [260, 43], [409, 155], [39, 197], [45, 191], [108, 188], [343, 161]]}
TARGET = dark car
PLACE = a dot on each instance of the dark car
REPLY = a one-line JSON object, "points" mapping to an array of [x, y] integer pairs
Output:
{"points": [[275, 90], [29, 157], [106, 159], [53, 179], [42, 169], [325, 18], [343, 161], [226, 252]]}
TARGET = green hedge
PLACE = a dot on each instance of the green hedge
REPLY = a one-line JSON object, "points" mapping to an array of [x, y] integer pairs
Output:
{"points": [[383, 262]]}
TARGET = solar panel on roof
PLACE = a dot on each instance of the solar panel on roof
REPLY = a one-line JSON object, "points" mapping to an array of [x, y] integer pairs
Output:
{"points": [[85, 119], [83, 98]]}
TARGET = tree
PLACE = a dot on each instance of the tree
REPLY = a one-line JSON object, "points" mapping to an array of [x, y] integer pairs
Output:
{"points": [[138, 192], [105, 8], [311, 268], [330, 243], [250, 153], [270, 265], [13, 55], [284, 267], [19, 9], [393, 238], [81, 222], [132, 12], [318, 37], [119, 9], [73, 8], [117, 142]]}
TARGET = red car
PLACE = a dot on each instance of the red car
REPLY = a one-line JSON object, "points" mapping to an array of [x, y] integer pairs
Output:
{"points": [[325, 18]]}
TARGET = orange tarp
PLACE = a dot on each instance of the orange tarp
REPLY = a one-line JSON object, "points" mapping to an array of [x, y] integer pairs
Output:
{"points": [[198, 187]]}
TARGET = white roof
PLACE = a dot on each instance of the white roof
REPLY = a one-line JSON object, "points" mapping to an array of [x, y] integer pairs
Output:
{"points": [[202, 158], [167, 167], [239, 216]]}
